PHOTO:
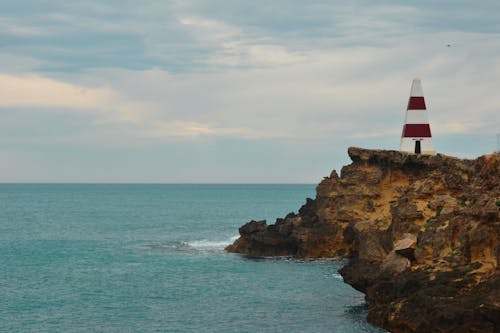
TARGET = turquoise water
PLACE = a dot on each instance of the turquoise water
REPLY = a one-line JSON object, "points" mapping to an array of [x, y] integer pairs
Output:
{"points": [[144, 258]]}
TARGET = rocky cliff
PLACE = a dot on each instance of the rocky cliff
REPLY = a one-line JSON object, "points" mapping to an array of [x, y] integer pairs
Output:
{"points": [[422, 234]]}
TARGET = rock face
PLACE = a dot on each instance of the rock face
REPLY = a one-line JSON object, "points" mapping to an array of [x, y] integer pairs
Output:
{"points": [[422, 234]]}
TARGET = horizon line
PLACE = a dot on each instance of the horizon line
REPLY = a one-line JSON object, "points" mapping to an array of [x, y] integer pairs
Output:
{"points": [[152, 183]]}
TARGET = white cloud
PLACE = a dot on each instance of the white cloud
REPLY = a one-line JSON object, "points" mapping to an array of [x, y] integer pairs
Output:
{"points": [[41, 92], [210, 30], [233, 47], [159, 130]]}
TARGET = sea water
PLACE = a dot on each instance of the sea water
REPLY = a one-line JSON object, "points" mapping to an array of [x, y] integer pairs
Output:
{"points": [[150, 258]]}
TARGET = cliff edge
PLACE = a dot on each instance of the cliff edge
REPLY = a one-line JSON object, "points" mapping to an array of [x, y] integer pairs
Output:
{"points": [[422, 234]]}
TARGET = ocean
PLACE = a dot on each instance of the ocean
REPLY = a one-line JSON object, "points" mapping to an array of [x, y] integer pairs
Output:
{"points": [[150, 258]]}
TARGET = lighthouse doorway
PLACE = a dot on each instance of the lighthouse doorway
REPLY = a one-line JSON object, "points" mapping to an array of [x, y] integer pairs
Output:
{"points": [[418, 149]]}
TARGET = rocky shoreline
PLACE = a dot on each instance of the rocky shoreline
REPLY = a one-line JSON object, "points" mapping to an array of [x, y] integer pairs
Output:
{"points": [[422, 234]]}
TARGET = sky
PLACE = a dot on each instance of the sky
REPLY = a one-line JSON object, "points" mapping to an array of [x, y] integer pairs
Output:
{"points": [[217, 91]]}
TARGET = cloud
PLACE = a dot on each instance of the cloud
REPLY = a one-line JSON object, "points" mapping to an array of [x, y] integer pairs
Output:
{"points": [[140, 117], [41, 92], [351, 92], [232, 47], [22, 31], [159, 130]]}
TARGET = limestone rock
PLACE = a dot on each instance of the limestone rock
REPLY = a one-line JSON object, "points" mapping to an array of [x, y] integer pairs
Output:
{"points": [[394, 263], [406, 246], [422, 234], [253, 227], [369, 242]]}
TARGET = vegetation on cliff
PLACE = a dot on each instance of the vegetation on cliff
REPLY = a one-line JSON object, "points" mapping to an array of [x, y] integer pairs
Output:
{"points": [[422, 234]]}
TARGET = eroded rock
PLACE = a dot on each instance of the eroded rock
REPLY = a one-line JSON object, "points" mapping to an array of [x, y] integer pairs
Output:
{"points": [[422, 233], [406, 246]]}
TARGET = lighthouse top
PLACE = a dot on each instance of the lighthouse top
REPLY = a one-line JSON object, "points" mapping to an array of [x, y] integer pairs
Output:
{"points": [[416, 88]]}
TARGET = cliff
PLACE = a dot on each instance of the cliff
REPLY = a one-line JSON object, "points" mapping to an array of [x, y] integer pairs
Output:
{"points": [[422, 234]]}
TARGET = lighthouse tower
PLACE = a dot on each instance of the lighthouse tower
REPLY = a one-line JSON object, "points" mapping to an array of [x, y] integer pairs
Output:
{"points": [[416, 137]]}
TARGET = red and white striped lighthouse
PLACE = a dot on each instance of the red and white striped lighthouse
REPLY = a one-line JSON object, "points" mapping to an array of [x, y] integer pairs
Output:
{"points": [[416, 137]]}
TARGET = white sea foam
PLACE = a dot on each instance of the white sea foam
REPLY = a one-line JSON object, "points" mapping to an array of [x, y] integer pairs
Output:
{"points": [[204, 245], [209, 245]]}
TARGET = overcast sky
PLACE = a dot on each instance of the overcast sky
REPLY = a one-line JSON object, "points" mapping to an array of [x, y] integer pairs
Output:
{"points": [[236, 91]]}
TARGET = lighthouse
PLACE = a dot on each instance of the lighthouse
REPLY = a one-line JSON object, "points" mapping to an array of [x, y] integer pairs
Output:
{"points": [[416, 137]]}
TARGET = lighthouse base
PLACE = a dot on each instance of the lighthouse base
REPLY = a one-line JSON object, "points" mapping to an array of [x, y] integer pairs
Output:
{"points": [[417, 146], [423, 152]]}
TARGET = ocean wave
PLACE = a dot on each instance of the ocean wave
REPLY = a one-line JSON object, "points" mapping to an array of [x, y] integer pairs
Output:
{"points": [[207, 245], [203, 245], [162, 247]]}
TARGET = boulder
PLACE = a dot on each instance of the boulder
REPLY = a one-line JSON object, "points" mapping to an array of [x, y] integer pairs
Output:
{"points": [[406, 246], [394, 263]]}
